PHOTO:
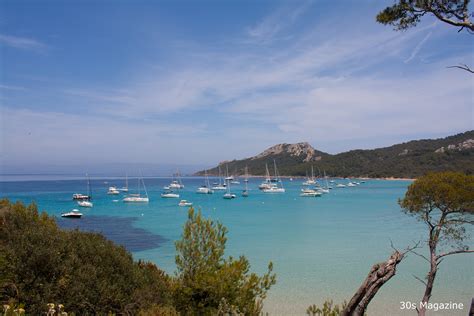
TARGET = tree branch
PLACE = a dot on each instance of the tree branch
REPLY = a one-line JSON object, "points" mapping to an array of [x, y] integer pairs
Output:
{"points": [[419, 279], [453, 253], [463, 67]]}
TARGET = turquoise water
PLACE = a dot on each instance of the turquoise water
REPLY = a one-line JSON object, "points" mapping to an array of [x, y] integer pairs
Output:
{"points": [[321, 247]]}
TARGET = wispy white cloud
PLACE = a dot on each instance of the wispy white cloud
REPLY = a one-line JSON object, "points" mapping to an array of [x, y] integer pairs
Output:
{"points": [[8, 87], [270, 26], [23, 43], [418, 47]]}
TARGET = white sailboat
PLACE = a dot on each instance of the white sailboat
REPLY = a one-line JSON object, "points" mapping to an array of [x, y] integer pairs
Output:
{"points": [[245, 192], [310, 181], [125, 188], [267, 183], [205, 188], [228, 195], [176, 183], [219, 186], [136, 198], [86, 202], [274, 188]]}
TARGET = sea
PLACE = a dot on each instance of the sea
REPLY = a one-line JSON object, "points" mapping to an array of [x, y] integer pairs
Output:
{"points": [[321, 247]]}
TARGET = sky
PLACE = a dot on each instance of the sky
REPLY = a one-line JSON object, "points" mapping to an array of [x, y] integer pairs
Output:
{"points": [[198, 82]]}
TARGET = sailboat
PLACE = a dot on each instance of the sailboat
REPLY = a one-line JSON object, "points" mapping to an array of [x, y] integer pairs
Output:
{"points": [[245, 192], [82, 197], [229, 195], [274, 188], [267, 183], [125, 188], [176, 183], [219, 186], [205, 188], [310, 181], [326, 189], [137, 197], [87, 203]]}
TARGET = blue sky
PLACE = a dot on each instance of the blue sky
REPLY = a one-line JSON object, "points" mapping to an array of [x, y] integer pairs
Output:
{"points": [[197, 82]]}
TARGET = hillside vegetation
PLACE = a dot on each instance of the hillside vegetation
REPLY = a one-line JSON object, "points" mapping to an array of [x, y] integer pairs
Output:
{"points": [[406, 160]]}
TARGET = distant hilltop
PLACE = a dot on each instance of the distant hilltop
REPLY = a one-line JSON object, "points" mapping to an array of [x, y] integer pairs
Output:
{"points": [[405, 160]]}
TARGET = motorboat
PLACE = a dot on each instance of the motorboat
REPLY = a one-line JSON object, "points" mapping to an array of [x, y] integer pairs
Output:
{"points": [[274, 189], [340, 185], [204, 190], [84, 197], [85, 203], [229, 196], [169, 194], [310, 193], [72, 214], [351, 184], [176, 185], [136, 198], [79, 196], [113, 191], [185, 203]]}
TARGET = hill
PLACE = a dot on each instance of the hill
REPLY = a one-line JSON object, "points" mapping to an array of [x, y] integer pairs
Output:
{"points": [[405, 160]]}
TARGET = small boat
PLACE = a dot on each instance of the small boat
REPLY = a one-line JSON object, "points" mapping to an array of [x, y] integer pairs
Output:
{"points": [[125, 188], [113, 191], [72, 214], [245, 192], [228, 195], [185, 203], [205, 188], [81, 197], [267, 183], [340, 185], [235, 182], [351, 184], [219, 186], [85, 203], [273, 185], [176, 183], [322, 190], [137, 198], [310, 193], [169, 194]]}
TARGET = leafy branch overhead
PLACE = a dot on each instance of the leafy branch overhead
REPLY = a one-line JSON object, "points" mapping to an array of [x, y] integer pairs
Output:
{"points": [[406, 14]]}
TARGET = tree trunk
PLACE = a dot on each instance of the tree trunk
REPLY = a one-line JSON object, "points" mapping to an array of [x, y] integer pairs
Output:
{"points": [[429, 280], [378, 275]]}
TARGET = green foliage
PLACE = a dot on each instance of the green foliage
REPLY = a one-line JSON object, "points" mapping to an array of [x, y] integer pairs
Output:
{"points": [[41, 263], [445, 201], [407, 13], [408, 160], [207, 283], [328, 309]]}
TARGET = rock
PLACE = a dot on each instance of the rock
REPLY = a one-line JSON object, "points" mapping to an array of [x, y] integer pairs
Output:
{"points": [[297, 150]]}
